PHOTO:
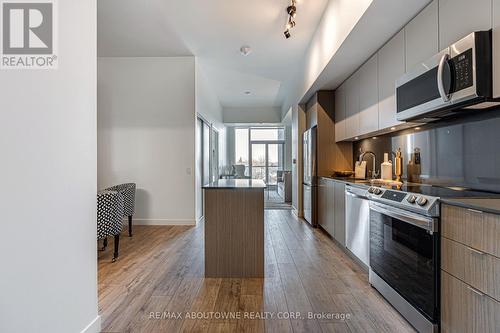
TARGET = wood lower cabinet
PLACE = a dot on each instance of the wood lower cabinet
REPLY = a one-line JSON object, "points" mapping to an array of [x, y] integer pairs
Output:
{"points": [[464, 309], [326, 205], [470, 271], [473, 228], [331, 208], [478, 269], [339, 212]]}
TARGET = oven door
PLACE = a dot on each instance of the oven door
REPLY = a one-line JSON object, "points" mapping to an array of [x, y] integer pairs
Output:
{"points": [[404, 252]]}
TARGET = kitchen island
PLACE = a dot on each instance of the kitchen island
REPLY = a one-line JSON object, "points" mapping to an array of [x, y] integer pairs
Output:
{"points": [[234, 228]]}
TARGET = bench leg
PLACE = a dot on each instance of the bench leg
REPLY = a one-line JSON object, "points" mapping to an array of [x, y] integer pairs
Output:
{"points": [[130, 226], [117, 244]]}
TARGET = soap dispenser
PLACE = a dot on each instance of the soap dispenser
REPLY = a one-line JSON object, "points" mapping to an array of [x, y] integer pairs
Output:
{"points": [[386, 168]]}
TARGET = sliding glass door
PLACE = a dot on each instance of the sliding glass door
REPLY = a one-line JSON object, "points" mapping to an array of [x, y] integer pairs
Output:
{"points": [[266, 161]]}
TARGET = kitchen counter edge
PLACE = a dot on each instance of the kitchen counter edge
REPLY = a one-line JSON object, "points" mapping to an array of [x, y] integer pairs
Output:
{"points": [[485, 205], [236, 184]]}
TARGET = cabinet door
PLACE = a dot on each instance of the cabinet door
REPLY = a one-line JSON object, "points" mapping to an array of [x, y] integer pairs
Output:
{"points": [[458, 18], [421, 36], [368, 96], [352, 106], [330, 224], [340, 114], [473, 228], [339, 212], [464, 309], [496, 48], [391, 65], [322, 202]]}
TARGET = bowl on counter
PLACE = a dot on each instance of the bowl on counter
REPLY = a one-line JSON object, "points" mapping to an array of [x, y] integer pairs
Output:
{"points": [[343, 174]]}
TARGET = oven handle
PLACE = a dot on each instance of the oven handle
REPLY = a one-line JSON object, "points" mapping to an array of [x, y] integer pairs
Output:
{"points": [[446, 97], [427, 223]]}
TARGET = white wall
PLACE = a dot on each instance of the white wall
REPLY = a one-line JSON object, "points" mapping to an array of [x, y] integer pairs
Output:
{"points": [[338, 20], [287, 123], [146, 134], [48, 275], [209, 107], [252, 115]]}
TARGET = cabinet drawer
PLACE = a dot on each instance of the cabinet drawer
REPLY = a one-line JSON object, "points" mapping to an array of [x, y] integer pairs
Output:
{"points": [[479, 269], [473, 228], [464, 309]]}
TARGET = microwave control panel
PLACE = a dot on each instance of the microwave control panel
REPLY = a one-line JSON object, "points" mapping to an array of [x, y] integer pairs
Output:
{"points": [[462, 68]]}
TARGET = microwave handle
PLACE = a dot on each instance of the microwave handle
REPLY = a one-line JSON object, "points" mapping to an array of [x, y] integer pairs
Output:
{"points": [[446, 97]]}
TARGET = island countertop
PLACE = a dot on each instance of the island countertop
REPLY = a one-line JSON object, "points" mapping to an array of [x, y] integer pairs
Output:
{"points": [[236, 184]]}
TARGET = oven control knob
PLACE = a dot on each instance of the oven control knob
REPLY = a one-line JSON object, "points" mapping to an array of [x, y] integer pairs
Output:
{"points": [[377, 191], [421, 201], [412, 199]]}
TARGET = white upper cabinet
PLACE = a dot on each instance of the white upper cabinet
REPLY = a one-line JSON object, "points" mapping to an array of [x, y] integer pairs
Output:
{"points": [[368, 96], [421, 36], [496, 48], [352, 106], [458, 18], [391, 65], [340, 113]]}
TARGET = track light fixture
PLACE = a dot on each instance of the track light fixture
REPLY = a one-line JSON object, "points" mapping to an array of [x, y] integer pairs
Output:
{"points": [[290, 22]]}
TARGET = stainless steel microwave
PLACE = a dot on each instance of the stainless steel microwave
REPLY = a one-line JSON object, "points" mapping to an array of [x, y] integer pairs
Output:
{"points": [[457, 78]]}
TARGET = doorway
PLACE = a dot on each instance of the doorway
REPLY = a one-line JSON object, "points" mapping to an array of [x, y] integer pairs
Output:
{"points": [[207, 160], [266, 161], [266, 150]]}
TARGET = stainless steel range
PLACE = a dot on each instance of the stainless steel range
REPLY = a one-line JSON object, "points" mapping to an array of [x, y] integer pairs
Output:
{"points": [[404, 248], [404, 253]]}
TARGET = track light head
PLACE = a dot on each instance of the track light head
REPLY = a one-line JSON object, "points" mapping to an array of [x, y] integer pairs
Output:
{"points": [[290, 24]]}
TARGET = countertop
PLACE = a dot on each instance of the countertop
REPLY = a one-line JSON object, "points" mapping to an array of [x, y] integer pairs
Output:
{"points": [[487, 202], [487, 205], [236, 184]]}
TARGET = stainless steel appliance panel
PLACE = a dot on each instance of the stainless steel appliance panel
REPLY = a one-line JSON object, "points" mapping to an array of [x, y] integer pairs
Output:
{"points": [[310, 176], [357, 223], [404, 253], [310, 204], [309, 158], [460, 76]]}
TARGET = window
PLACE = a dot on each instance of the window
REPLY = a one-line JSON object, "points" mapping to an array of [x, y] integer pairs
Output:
{"points": [[241, 147], [267, 147], [267, 134]]}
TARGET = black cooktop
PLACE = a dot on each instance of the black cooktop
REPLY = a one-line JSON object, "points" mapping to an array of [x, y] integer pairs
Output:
{"points": [[443, 191]]}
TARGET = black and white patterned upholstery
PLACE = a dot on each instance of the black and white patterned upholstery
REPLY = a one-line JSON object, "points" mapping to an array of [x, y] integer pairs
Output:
{"points": [[128, 192], [110, 206], [109, 218]]}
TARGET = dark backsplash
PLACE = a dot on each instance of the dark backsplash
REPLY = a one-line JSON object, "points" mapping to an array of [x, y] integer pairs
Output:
{"points": [[461, 151]]}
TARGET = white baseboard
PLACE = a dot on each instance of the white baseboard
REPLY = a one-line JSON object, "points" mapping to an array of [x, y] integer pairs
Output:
{"points": [[137, 221], [94, 326]]}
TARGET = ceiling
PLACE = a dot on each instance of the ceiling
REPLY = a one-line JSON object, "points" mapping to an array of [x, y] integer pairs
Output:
{"points": [[214, 31]]}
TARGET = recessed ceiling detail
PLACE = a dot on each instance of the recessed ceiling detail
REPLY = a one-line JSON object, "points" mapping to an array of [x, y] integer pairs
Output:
{"points": [[214, 32]]}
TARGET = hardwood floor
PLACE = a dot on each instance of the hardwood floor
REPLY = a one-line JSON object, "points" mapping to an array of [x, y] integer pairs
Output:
{"points": [[160, 274]]}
